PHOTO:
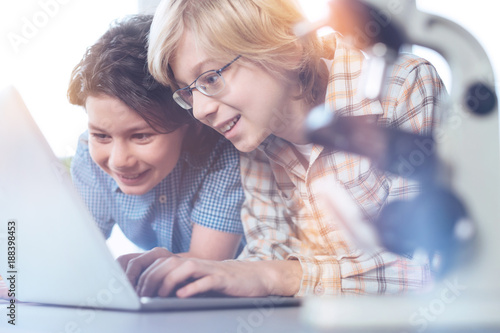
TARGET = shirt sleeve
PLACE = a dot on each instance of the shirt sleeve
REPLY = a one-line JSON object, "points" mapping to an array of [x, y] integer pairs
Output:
{"points": [[413, 103], [92, 185], [218, 203], [414, 97]]}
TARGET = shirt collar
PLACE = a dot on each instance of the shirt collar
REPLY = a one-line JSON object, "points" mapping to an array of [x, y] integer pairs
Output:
{"points": [[282, 152], [114, 186]]}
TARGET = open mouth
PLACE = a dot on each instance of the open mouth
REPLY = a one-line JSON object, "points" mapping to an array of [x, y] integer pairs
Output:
{"points": [[132, 178], [230, 125]]}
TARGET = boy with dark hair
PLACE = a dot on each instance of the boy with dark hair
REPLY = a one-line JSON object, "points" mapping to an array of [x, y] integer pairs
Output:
{"points": [[170, 183]]}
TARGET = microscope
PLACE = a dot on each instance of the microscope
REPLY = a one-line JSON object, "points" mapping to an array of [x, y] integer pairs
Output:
{"points": [[457, 213]]}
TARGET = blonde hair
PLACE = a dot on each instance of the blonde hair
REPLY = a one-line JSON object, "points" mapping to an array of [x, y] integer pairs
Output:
{"points": [[259, 30]]}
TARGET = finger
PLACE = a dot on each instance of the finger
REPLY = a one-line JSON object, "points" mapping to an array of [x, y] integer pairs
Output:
{"points": [[202, 285], [150, 280], [124, 259], [135, 268], [183, 274], [160, 273], [138, 264]]}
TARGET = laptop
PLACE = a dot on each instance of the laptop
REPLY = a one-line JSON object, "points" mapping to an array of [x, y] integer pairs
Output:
{"points": [[57, 254]]}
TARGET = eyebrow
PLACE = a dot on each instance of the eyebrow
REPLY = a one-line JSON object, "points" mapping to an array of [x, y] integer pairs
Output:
{"points": [[94, 127], [196, 70], [128, 130]]}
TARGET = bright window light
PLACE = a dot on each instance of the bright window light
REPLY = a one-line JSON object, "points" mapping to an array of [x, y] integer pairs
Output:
{"points": [[42, 40]]}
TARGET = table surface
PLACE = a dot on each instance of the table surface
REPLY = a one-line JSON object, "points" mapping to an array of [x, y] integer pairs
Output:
{"points": [[55, 319]]}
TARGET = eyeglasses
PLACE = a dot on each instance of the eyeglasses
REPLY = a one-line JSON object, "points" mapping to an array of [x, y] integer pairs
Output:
{"points": [[209, 83]]}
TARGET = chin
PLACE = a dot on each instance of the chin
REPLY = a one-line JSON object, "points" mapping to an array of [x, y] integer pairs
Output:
{"points": [[249, 145], [134, 191], [245, 148]]}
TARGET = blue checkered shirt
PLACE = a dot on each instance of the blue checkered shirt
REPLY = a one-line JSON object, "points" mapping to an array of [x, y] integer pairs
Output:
{"points": [[203, 189]]}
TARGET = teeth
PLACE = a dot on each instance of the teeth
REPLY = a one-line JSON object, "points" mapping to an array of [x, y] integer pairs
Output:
{"points": [[130, 177], [230, 125]]}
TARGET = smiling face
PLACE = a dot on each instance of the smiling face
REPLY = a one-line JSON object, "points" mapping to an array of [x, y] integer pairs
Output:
{"points": [[127, 148], [253, 104]]}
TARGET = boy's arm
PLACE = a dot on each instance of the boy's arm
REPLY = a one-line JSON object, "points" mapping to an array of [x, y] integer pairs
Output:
{"points": [[207, 243]]}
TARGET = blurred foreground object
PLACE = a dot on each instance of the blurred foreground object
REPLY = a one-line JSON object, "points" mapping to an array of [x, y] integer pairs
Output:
{"points": [[460, 178]]}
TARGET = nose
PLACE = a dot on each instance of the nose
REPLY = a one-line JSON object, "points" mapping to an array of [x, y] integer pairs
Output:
{"points": [[204, 107], [121, 156]]}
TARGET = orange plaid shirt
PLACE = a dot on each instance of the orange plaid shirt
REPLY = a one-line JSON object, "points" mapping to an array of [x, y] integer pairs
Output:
{"points": [[282, 216]]}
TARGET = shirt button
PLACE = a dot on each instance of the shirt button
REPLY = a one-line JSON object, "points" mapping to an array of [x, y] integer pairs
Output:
{"points": [[319, 290], [163, 198]]}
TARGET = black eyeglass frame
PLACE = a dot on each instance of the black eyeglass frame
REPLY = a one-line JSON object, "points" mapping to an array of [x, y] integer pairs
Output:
{"points": [[183, 103]]}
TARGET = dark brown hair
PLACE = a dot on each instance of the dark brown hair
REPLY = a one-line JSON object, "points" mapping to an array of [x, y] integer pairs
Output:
{"points": [[116, 66]]}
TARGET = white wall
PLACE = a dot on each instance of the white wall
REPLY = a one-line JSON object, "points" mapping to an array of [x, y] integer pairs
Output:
{"points": [[53, 34], [40, 43], [147, 6]]}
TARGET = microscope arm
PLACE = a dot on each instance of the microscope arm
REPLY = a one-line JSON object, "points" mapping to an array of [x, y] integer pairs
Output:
{"points": [[472, 73]]}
